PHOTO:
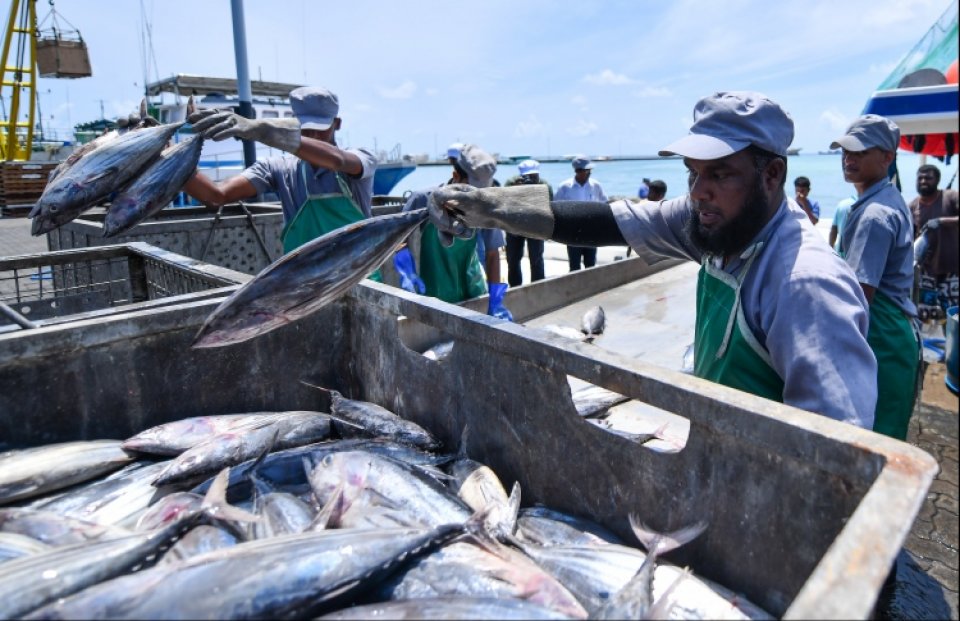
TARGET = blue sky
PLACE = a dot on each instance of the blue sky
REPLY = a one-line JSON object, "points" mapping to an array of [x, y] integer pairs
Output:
{"points": [[539, 77]]}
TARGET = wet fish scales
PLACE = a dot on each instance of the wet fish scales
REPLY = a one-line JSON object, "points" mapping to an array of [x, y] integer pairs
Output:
{"points": [[307, 279]]}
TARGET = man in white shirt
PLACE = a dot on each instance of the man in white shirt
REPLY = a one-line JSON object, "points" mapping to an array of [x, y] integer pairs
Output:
{"points": [[581, 187]]}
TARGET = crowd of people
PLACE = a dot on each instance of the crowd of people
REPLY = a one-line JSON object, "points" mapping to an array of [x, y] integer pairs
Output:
{"points": [[831, 328]]}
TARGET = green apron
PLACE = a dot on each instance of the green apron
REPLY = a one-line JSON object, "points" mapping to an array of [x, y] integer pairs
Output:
{"points": [[725, 350], [897, 348], [452, 274], [320, 214]]}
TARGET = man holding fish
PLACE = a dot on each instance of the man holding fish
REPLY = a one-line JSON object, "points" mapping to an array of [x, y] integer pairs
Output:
{"points": [[323, 188], [764, 270]]}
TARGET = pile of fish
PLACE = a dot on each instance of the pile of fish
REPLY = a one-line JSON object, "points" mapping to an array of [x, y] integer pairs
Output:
{"points": [[352, 514], [132, 169]]}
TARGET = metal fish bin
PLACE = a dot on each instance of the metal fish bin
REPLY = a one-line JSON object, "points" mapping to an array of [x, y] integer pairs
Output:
{"points": [[805, 514], [73, 285]]}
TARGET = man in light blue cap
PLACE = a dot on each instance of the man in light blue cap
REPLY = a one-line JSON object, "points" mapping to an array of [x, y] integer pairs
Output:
{"points": [[581, 187], [529, 175], [877, 242], [779, 314], [321, 189]]}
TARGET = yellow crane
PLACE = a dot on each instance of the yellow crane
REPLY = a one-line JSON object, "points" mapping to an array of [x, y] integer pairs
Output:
{"points": [[62, 54]]}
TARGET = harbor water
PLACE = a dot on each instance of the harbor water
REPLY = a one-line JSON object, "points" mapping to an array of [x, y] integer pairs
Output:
{"points": [[623, 177]]}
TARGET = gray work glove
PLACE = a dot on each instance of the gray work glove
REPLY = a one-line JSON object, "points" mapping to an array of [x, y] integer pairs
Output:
{"points": [[522, 210], [283, 134]]}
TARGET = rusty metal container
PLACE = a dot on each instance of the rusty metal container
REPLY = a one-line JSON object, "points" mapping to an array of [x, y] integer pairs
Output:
{"points": [[805, 514]]}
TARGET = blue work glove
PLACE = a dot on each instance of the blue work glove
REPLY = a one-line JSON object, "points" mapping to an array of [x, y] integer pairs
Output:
{"points": [[409, 281], [495, 306]]}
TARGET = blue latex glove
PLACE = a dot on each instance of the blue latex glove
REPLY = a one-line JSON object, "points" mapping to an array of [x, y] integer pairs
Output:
{"points": [[409, 281], [495, 306]]}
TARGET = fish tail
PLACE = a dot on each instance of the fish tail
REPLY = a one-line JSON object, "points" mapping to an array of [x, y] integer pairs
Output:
{"points": [[215, 502]]}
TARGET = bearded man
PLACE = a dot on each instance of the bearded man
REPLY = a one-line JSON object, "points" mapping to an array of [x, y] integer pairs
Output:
{"points": [[779, 314]]}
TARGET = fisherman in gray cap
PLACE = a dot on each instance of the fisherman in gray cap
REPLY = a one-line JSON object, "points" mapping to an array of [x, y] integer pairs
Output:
{"points": [[449, 267], [779, 314], [321, 189], [877, 242]]}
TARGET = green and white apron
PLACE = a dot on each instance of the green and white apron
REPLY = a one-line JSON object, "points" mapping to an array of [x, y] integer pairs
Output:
{"points": [[725, 350], [451, 274], [320, 214]]}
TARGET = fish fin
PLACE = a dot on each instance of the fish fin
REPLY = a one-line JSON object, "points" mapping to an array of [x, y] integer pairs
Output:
{"points": [[513, 505], [464, 439], [344, 421], [334, 507], [215, 502], [334, 395], [663, 604], [661, 543]]}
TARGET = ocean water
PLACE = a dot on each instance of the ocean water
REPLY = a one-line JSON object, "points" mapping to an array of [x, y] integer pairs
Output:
{"points": [[622, 178]]}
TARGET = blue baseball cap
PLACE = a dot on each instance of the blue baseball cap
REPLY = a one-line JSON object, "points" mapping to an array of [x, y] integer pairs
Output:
{"points": [[727, 122], [529, 167], [870, 130], [314, 107]]}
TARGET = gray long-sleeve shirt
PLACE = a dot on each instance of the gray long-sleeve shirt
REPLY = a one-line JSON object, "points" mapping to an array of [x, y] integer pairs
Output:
{"points": [[801, 301]]}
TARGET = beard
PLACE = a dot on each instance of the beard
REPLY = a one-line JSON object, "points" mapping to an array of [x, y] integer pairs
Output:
{"points": [[926, 191], [732, 237]]}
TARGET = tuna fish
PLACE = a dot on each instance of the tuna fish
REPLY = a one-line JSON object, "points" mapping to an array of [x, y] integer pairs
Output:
{"points": [[447, 608], [379, 491], [282, 577], [237, 446], [307, 279], [36, 471], [490, 570], [177, 436], [15, 545], [154, 188], [30, 582], [594, 400], [54, 529], [373, 420], [592, 324], [97, 174]]}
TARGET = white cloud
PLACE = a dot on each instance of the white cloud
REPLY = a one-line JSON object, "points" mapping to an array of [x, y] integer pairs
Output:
{"points": [[580, 101], [834, 119], [404, 91], [582, 128], [432, 92], [607, 78], [653, 91], [530, 127]]}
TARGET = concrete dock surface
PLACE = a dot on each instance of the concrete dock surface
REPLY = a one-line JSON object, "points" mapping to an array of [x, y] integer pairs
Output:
{"points": [[927, 577]]}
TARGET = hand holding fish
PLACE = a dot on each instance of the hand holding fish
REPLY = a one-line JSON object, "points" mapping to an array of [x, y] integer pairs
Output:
{"points": [[283, 134], [521, 210]]}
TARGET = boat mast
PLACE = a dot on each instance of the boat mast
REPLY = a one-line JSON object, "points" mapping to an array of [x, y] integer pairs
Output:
{"points": [[244, 90]]}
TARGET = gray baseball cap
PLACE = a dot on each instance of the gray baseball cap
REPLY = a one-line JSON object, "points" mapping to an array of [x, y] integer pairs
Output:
{"points": [[870, 130], [582, 162], [727, 122], [314, 107], [479, 165]]}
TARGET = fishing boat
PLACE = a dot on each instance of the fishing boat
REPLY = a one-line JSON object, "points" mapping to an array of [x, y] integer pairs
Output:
{"points": [[920, 95], [222, 160]]}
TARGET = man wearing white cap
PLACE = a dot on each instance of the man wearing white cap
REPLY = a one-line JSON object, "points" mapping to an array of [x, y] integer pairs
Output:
{"points": [[529, 175], [779, 314], [877, 242], [581, 187], [321, 189]]}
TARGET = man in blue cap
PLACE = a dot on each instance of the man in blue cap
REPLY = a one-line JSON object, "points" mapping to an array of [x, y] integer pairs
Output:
{"points": [[321, 189], [529, 174], [779, 314], [581, 187], [877, 242]]}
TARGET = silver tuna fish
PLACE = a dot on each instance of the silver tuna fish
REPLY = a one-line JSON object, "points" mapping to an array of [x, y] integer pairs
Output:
{"points": [[36, 471], [307, 279], [97, 174], [154, 188], [593, 323]]}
